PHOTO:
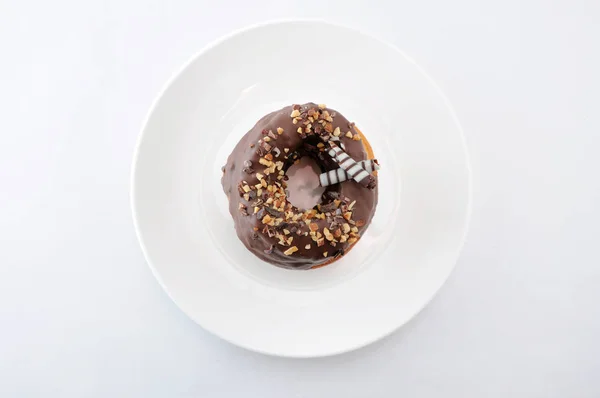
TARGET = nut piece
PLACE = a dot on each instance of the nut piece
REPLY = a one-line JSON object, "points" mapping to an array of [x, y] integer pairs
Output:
{"points": [[356, 137], [346, 228], [337, 132], [322, 106], [307, 247], [313, 226], [320, 242], [266, 219], [279, 130], [324, 254], [295, 113], [327, 234], [352, 240], [290, 251], [349, 134]]}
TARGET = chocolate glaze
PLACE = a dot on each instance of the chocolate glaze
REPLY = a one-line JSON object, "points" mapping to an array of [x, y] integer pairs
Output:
{"points": [[243, 164]]}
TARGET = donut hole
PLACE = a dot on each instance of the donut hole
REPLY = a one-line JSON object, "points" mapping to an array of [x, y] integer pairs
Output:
{"points": [[303, 188]]}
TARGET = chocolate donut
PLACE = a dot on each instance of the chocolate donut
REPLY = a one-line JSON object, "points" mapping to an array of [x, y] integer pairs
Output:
{"points": [[255, 182]]}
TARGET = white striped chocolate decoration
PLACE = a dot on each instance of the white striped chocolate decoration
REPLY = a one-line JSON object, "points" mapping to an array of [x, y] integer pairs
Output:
{"points": [[352, 168], [337, 139], [339, 175]]}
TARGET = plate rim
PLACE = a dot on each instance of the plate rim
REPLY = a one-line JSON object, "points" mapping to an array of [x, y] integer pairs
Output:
{"points": [[283, 21]]}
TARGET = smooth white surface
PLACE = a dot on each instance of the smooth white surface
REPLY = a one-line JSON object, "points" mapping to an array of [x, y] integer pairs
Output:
{"points": [[183, 222], [81, 315]]}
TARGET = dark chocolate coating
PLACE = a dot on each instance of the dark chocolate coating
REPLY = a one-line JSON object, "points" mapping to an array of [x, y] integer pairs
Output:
{"points": [[248, 149]]}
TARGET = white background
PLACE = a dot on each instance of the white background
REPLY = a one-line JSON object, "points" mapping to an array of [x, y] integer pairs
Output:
{"points": [[82, 316]]}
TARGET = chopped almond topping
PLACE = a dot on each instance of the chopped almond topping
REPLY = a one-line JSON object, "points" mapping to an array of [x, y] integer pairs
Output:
{"points": [[290, 251]]}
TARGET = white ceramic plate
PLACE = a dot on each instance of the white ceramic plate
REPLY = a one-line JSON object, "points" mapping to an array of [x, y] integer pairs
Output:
{"points": [[180, 210]]}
